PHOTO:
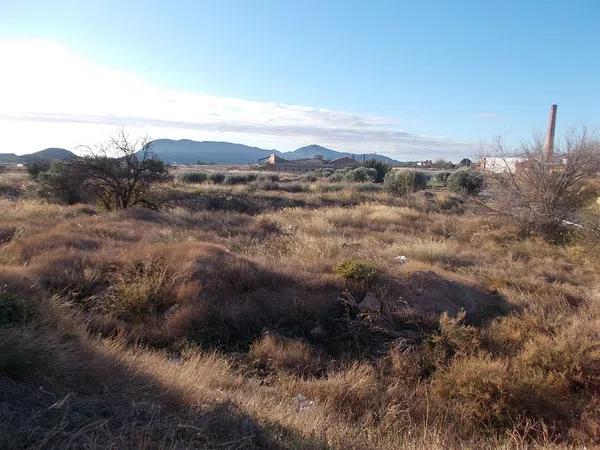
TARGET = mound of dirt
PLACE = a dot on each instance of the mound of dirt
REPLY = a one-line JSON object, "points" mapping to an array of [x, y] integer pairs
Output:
{"points": [[430, 294]]}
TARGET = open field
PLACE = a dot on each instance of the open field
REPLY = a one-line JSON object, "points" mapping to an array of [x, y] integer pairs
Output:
{"points": [[226, 319]]}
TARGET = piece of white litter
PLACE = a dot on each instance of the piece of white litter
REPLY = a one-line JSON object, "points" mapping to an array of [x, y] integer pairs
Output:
{"points": [[401, 259], [302, 403]]}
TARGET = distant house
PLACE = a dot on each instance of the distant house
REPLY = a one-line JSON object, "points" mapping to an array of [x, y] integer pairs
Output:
{"points": [[276, 163]]}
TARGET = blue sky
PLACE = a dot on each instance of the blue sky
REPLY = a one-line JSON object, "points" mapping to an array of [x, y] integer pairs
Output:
{"points": [[409, 79]]}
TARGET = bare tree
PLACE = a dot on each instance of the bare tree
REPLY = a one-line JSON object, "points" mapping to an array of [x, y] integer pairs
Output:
{"points": [[120, 172], [544, 194]]}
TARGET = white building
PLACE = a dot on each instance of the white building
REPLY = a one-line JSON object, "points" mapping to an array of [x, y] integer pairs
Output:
{"points": [[501, 164]]}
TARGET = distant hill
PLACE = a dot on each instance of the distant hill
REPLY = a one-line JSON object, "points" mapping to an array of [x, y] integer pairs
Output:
{"points": [[312, 150], [46, 154], [186, 151], [50, 153], [9, 158]]}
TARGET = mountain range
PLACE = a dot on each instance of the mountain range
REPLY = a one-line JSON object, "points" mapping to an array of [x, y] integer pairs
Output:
{"points": [[186, 151], [46, 154]]}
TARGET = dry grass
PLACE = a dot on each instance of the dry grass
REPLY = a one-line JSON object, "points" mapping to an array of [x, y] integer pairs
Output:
{"points": [[215, 323]]}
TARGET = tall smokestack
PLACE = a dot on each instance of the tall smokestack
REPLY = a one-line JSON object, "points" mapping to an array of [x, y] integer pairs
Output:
{"points": [[550, 135]]}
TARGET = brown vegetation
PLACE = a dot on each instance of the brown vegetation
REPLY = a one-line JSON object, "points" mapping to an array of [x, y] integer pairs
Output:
{"points": [[230, 318]]}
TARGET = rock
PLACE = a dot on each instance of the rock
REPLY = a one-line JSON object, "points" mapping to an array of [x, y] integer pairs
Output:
{"points": [[370, 303]]}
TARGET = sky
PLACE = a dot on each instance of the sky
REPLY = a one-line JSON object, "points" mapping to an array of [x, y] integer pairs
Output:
{"points": [[412, 80]]}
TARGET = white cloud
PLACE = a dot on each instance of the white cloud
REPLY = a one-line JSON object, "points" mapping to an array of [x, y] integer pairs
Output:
{"points": [[53, 97]]}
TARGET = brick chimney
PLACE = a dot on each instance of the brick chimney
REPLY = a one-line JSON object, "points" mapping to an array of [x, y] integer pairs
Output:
{"points": [[549, 147]]}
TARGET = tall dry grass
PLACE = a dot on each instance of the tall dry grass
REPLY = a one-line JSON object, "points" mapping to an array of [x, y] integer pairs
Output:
{"points": [[218, 325]]}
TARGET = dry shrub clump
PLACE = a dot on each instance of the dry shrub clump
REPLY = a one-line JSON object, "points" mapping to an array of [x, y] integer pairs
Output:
{"points": [[352, 393], [289, 355]]}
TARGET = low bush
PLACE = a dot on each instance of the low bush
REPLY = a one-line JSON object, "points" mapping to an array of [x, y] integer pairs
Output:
{"points": [[290, 355], [353, 393], [472, 391], [321, 173], [381, 169], [405, 181], [338, 176], [63, 183], [333, 187], [368, 187], [267, 176], [454, 338], [466, 180], [216, 177], [362, 175], [146, 288], [310, 177], [239, 178], [34, 168], [359, 271], [442, 177], [263, 185], [194, 177], [293, 187]]}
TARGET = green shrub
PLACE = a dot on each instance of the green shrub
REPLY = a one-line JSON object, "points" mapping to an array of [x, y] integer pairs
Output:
{"points": [[35, 167], [194, 177], [321, 173], [405, 181], [362, 175], [381, 169], [357, 270], [442, 177], [466, 180], [272, 177], [216, 177], [63, 182], [239, 178], [338, 176]]}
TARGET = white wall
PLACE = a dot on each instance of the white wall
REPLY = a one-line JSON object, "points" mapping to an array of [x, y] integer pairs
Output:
{"points": [[498, 164]]}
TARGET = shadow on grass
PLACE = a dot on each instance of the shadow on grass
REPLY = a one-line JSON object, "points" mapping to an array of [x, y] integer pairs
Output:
{"points": [[69, 395]]}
